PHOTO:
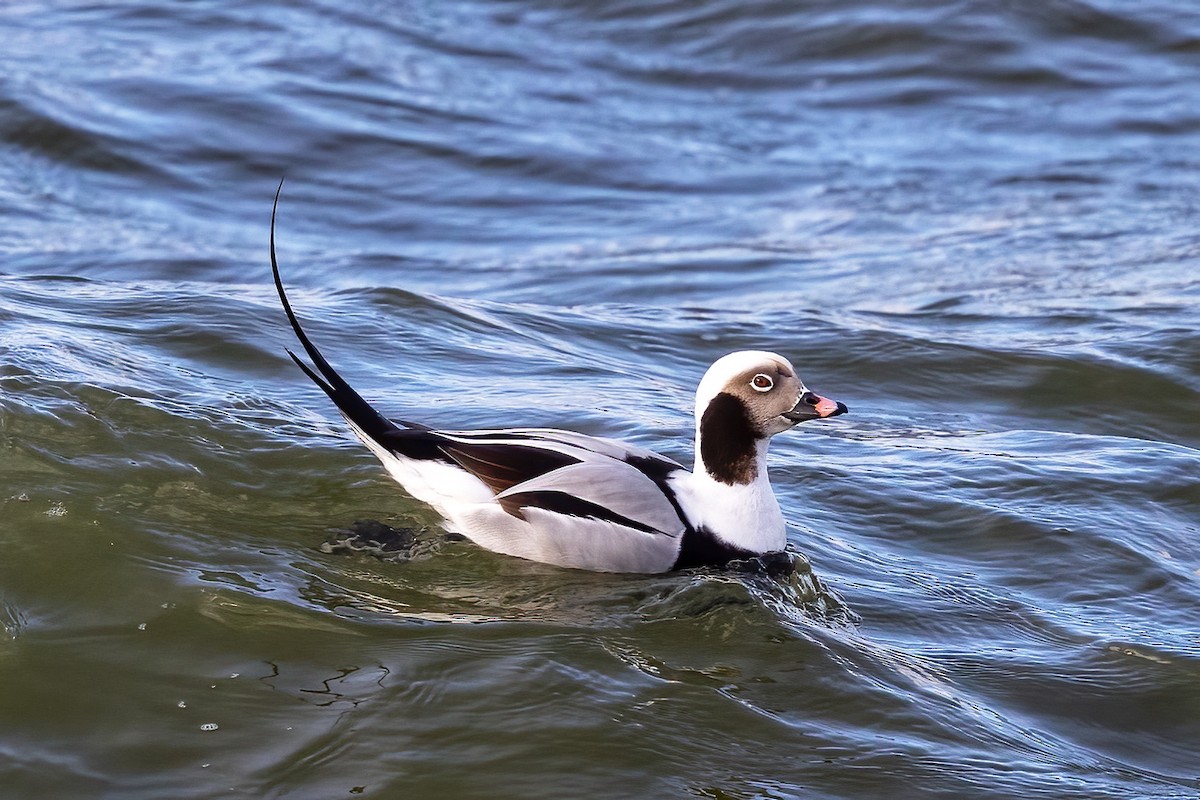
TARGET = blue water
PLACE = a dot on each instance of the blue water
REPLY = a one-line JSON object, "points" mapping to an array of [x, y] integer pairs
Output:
{"points": [[973, 223]]}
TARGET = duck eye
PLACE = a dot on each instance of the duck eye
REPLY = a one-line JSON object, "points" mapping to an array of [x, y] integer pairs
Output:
{"points": [[762, 383]]}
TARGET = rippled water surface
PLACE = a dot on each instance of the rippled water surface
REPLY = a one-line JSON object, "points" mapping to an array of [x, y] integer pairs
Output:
{"points": [[974, 223]]}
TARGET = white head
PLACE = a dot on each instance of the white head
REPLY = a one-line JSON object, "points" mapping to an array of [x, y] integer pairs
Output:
{"points": [[744, 399]]}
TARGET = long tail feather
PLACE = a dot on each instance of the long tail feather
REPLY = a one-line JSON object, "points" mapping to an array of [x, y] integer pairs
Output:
{"points": [[348, 401]]}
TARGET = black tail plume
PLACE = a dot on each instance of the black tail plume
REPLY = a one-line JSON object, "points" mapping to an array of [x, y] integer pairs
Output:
{"points": [[348, 401]]}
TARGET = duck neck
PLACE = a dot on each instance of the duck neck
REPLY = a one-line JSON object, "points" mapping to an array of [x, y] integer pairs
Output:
{"points": [[744, 467], [739, 506]]}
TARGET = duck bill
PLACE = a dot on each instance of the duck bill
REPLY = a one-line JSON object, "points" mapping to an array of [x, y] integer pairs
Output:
{"points": [[813, 406]]}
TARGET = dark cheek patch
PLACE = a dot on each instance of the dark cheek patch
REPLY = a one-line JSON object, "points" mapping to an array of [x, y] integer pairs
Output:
{"points": [[727, 440]]}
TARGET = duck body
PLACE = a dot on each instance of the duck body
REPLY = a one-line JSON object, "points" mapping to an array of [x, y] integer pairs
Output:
{"points": [[545, 495], [588, 502]]}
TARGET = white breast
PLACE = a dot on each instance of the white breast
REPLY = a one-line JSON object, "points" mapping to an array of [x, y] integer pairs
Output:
{"points": [[743, 514]]}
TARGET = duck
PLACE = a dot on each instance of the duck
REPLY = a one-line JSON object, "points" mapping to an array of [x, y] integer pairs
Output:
{"points": [[587, 502]]}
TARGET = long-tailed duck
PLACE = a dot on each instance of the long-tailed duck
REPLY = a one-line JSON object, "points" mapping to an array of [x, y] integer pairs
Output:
{"points": [[593, 503]]}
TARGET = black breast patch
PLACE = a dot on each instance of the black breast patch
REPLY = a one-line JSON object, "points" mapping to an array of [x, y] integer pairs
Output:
{"points": [[700, 548]]}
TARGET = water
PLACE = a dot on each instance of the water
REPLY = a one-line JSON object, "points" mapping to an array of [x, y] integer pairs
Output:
{"points": [[974, 223]]}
